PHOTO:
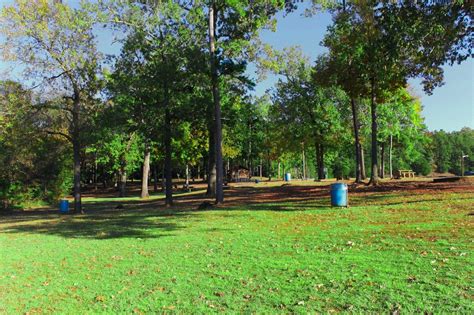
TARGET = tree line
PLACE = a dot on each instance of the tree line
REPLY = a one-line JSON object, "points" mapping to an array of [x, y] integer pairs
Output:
{"points": [[176, 99]]}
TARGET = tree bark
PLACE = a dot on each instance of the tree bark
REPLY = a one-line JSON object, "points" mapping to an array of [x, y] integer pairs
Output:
{"points": [[95, 171], [355, 122], [320, 160], [168, 170], [76, 147], [390, 156], [303, 158], [382, 160], [211, 159], [122, 180], [363, 174], [155, 178], [186, 184], [217, 105], [146, 172], [374, 178]]}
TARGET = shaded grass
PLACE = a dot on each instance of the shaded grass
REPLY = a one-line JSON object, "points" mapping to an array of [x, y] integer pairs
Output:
{"points": [[387, 252]]}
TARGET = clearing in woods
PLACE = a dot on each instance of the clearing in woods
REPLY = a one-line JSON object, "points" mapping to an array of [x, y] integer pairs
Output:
{"points": [[403, 246]]}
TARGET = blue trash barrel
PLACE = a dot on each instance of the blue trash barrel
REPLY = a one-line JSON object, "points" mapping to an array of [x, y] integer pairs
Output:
{"points": [[287, 177], [339, 195], [64, 206]]}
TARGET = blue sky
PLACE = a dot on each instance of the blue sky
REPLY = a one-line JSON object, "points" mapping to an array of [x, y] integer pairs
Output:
{"points": [[451, 106]]}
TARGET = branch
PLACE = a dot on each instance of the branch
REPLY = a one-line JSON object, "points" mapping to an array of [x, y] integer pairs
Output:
{"points": [[59, 133], [49, 79]]}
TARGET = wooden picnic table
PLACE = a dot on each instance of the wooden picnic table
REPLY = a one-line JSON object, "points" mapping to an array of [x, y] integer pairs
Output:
{"points": [[406, 174]]}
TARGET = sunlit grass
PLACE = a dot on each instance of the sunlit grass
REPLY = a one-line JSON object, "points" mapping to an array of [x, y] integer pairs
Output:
{"points": [[388, 252]]}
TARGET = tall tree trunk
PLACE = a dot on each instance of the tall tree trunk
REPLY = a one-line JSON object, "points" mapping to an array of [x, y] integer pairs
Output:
{"points": [[390, 156], [76, 147], [217, 105], [163, 179], [155, 178], [374, 178], [355, 122], [303, 158], [320, 160], [363, 174], [146, 172], [186, 183], [122, 180], [211, 159], [122, 170], [382, 160], [168, 170], [279, 174]]}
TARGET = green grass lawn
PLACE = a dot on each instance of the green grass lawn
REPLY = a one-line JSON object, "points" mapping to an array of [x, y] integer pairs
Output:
{"points": [[410, 252]]}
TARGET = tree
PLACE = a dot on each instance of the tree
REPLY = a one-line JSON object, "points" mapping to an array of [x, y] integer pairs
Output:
{"points": [[397, 41], [33, 164], [160, 50], [231, 26], [314, 113], [56, 44]]}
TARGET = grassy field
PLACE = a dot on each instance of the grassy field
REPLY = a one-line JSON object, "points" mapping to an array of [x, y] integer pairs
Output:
{"points": [[272, 249]]}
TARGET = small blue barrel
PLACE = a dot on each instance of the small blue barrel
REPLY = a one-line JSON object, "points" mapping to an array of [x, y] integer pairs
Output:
{"points": [[287, 177], [339, 195], [64, 206]]}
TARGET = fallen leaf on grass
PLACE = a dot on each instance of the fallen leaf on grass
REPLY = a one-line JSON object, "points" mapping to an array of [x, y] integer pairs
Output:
{"points": [[411, 278], [100, 298], [170, 308]]}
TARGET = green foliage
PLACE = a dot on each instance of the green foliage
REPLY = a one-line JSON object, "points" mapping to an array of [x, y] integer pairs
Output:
{"points": [[33, 164], [447, 149]]}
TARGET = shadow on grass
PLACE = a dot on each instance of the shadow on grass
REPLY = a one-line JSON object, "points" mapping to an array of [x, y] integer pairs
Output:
{"points": [[150, 219], [101, 221]]}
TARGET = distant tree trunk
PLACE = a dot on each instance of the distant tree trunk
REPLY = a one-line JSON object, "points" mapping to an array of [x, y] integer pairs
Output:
{"points": [[155, 178], [146, 172], [122, 170], [211, 160], [163, 180], [279, 174], [390, 156], [320, 160], [95, 172], [76, 147], [355, 123], [122, 180], [374, 178], [168, 170], [304, 164], [186, 184], [382, 160], [217, 105], [363, 174]]}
